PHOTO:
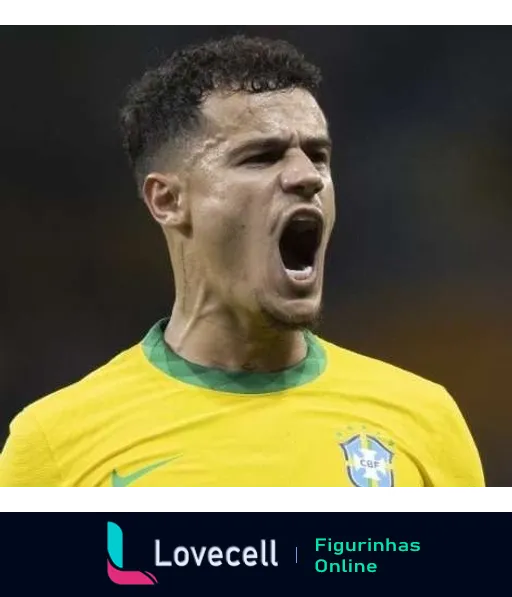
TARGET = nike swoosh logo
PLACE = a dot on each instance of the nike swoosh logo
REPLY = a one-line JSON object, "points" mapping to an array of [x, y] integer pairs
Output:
{"points": [[124, 481]]}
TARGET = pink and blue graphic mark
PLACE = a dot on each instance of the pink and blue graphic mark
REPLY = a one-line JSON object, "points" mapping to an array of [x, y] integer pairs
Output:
{"points": [[116, 573]]}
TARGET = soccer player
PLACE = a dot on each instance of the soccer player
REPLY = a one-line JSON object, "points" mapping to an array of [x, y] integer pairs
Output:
{"points": [[231, 153]]}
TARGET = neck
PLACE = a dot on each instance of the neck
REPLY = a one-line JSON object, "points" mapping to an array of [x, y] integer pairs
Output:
{"points": [[215, 336]]}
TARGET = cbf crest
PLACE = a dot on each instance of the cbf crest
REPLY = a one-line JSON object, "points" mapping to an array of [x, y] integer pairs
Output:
{"points": [[369, 461]]}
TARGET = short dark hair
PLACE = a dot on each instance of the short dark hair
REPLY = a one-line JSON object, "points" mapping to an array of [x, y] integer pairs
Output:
{"points": [[165, 103]]}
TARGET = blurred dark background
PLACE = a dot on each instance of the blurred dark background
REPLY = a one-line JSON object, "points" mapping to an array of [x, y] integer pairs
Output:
{"points": [[420, 270]]}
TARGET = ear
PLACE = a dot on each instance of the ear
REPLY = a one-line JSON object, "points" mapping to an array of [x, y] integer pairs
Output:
{"points": [[163, 194]]}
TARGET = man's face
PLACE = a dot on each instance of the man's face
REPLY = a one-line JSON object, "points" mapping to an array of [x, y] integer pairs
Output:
{"points": [[261, 197]]}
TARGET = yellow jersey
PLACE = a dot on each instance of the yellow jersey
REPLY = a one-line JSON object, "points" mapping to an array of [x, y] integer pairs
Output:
{"points": [[150, 418]]}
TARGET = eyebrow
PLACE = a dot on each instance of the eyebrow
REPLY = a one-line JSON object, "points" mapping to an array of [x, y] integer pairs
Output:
{"points": [[280, 143]]}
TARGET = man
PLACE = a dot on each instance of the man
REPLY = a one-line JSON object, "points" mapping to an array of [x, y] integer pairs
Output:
{"points": [[231, 153]]}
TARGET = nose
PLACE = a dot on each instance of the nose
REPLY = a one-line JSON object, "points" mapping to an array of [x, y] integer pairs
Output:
{"points": [[301, 177]]}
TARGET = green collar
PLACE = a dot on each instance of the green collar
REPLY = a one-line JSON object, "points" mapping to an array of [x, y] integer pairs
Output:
{"points": [[164, 358]]}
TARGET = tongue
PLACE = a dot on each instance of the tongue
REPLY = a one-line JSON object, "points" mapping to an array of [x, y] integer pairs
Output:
{"points": [[300, 274]]}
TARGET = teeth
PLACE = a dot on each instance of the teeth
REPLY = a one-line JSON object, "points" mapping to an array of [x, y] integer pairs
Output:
{"points": [[300, 274]]}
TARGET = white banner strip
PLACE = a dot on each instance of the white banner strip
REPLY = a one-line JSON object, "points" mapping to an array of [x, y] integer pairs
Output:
{"points": [[474, 495]]}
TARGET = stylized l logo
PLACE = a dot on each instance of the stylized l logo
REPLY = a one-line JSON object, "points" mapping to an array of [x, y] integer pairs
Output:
{"points": [[115, 570]]}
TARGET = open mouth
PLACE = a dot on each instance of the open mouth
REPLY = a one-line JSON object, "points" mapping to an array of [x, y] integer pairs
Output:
{"points": [[299, 244]]}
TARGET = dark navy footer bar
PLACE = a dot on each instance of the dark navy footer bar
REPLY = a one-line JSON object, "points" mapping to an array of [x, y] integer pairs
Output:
{"points": [[252, 553]]}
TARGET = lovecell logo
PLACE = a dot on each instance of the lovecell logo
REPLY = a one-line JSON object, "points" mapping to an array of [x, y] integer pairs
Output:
{"points": [[116, 572], [180, 556]]}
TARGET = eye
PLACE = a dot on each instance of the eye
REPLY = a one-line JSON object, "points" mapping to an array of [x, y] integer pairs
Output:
{"points": [[319, 157], [263, 158]]}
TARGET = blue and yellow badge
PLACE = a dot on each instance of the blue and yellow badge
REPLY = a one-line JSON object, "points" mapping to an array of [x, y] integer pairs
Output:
{"points": [[369, 461]]}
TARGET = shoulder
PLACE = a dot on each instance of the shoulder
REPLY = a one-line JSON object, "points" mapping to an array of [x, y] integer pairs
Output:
{"points": [[370, 375], [388, 384], [44, 432], [99, 388]]}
